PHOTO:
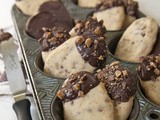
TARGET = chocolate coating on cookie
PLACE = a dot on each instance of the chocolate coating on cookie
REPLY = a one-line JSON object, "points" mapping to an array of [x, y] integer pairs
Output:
{"points": [[77, 85], [149, 68], [51, 14], [92, 49], [91, 44], [130, 6], [90, 25], [52, 38], [119, 82]]}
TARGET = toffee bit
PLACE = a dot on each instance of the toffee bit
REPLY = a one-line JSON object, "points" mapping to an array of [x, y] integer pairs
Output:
{"points": [[118, 73], [114, 63], [100, 57], [60, 94], [80, 93], [77, 86], [97, 31], [125, 73], [88, 42], [80, 40]]}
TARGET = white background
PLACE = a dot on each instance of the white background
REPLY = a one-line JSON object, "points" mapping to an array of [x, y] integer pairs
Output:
{"points": [[148, 7]]}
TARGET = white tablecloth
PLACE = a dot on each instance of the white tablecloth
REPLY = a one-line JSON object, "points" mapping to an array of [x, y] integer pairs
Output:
{"points": [[148, 7]]}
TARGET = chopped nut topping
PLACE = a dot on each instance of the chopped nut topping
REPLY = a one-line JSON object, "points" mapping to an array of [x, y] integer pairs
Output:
{"points": [[53, 39], [118, 73], [60, 94], [80, 93], [88, 42], [100, 57], [125, 73], [64, 84], [97, 31], [77, 86], [79, 25], [153, 64], [114, 63], [80, 40], [157, 72], [87, 24], [70, 90], [47, 35], [95, 42]]}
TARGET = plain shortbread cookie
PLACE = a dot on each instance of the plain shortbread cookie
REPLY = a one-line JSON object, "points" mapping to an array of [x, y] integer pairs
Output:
{"points": [[137, 40]]}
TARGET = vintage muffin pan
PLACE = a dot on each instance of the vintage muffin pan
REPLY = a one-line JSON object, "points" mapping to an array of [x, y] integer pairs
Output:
{"points": [[45, 86]]}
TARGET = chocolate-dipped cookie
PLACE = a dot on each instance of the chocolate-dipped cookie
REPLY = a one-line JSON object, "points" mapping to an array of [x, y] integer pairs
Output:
{"points": [[137, 40], [116, 14], [149, 75], [85, 98], [121, 87], [51, 14], [84, 52]]}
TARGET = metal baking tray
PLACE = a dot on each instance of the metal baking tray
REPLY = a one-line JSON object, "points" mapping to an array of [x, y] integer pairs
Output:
{"points": [[45, 86]]}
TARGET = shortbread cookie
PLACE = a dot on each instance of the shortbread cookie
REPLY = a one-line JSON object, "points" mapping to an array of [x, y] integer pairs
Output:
{"points": [[138, 40], [121, 87], [85, 98], [149, 74], [87, 3], [51, 39], [76, 54], [113, 18], [30, 7]]}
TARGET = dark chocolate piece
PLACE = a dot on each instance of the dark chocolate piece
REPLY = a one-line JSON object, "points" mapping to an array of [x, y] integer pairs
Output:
{"points": [[91, 44], [130, 6], [51, 14], [120, 83], [52, 38], [149, 68], [77, 85]]}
